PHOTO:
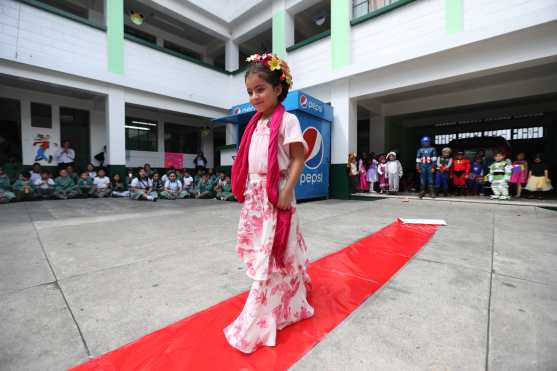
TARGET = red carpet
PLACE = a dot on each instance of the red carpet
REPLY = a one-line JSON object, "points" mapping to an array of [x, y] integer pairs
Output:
{"points": [[341, 282]]}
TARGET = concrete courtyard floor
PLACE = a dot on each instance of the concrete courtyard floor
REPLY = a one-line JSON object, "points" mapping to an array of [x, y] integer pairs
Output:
{"points": [[81, 277]]}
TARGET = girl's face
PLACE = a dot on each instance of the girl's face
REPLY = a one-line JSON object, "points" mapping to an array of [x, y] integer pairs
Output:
{"points": [[116, 177], [262, 95], [172, 177], [391, 158], [156, 177], [520, 156], [84, 176], [90, 167]]}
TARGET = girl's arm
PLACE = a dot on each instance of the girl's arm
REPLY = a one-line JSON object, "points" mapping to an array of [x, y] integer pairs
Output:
{"points": [[297, 153], [546, 173]]}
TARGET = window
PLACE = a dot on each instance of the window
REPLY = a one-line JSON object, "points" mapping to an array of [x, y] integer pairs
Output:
{"points": [[528, 133], [180, 49], [181, 138], [444, 138], [41, 115], [362, 7], [359, 8], [141, 135], [140, 34], [505, 133], [88, 10], [470, 135]]}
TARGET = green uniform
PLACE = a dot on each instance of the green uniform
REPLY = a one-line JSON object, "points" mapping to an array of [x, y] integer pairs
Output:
{"points": [[6, 194], [225, 192], [65, 187], [85, 187], [204, 189], [24, 190]]}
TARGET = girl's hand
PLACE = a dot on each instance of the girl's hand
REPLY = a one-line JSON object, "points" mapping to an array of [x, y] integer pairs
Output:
{"points": [[285, 199]]}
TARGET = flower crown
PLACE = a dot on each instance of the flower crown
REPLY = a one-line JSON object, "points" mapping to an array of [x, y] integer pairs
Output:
{"points": [[273, 63]]}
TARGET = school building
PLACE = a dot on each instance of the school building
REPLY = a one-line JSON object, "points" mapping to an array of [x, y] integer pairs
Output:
{"points": [[146, 77]]}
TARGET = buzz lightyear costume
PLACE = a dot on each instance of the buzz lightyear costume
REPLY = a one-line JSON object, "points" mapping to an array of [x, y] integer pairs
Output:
{"points": [[499, 176]]}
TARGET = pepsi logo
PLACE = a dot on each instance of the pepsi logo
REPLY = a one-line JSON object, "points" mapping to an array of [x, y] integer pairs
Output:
{"points": [[237, 110], [314, 140], [303, 101]]}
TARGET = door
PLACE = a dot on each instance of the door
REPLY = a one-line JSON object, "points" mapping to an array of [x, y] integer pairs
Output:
{"points": [[74, 126], [10, 131]]}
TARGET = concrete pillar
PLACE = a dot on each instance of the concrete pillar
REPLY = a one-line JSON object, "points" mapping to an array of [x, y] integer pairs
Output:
{"points": [[288, 29], [115, 131], [344, 130], [231, 56], [231, 134], [343, 137]]}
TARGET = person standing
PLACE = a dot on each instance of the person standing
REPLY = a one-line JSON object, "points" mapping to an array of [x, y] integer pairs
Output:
{"points": [[426, 158], [65, 156], [265, 173]]}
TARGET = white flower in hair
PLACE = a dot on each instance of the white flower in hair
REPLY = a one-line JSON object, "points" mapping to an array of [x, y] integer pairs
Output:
{"points": [[252, 58]]}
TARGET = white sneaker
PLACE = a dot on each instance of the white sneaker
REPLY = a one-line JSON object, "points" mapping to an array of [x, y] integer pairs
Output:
{"points": [[493, 197], [505, 198]]}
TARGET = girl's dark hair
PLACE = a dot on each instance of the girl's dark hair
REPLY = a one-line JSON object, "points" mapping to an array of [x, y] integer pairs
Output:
{"points": [[272, 77]]}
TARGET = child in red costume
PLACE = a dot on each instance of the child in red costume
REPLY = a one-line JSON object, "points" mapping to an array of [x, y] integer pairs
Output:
{"points": [[461, 171]]}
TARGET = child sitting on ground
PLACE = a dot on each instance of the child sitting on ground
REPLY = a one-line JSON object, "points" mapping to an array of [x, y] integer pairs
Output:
{"points": [[6, 194], [102, 185], [91, 171], [141, 187], [85, 185], [64, 186], [44, 186], [119, 188], [158, 184], [173, 188], [224, 190], [187, 183], [204, 188], [23, 187]]}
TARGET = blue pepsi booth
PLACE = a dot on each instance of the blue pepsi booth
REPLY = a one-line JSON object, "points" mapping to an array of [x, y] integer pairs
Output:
{"points": [[315, 119]]}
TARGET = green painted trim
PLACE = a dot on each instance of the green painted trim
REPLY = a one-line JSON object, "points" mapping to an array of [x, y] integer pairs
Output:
{"points": [[454, 16], [279, 45], [228, 146], [309, 40], [115, 35], [378, 12], [53, 10], [339, 186], [176, 54], [340, 33]]}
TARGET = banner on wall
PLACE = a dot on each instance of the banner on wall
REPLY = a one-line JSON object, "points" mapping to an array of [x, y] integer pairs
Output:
{"points": [[172, 159], [42, 149]]}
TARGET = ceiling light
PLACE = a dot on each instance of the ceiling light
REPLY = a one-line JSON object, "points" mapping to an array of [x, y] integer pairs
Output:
{"points": [[319, 20], [136, 17]]}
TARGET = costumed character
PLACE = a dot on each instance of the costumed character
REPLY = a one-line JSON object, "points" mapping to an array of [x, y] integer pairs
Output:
{"points": [[499, 175], [426, 157], [461, 172], [394, 172], [444, 165]]}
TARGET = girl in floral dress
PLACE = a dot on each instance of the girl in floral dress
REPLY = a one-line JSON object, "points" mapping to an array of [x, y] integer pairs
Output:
{"points": [[269, 241]]}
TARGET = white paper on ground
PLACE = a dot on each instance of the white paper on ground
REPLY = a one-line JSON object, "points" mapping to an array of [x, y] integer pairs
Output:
{"points": [[423, 221]]}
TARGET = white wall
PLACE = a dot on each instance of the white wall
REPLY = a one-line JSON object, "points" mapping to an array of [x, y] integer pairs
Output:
{"points": [[35, 37], [28, 133]]}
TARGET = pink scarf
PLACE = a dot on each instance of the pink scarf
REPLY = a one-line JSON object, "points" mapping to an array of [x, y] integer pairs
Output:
{"points": [[240, 170]]}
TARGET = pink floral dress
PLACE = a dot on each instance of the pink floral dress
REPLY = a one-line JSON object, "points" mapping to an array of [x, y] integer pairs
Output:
{"points": [[278, 296]]}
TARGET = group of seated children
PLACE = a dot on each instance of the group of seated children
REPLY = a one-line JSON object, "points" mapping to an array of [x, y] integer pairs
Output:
{"points": [[146, 184]]}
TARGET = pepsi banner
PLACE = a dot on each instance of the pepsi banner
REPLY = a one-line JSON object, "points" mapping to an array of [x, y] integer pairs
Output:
{"points": [[315, 120]]}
